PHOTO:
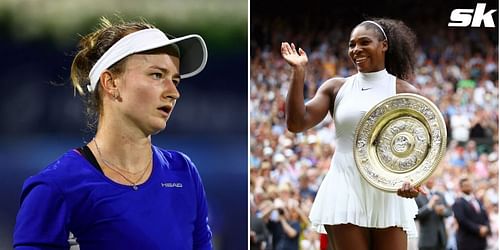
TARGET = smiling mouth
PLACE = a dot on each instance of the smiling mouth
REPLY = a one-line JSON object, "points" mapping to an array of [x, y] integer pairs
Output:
{"points": [[360, 60]]}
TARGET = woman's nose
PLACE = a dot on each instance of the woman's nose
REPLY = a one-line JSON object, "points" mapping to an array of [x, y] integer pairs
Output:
{"points": [[356, 49], [171, 90]]}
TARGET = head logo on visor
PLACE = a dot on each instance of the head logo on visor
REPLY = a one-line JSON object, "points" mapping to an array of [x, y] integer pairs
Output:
{"points": [[193, 52]]}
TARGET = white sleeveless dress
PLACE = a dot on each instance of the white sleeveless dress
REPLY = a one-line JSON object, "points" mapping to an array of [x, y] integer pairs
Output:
{"points": [[344, 196]]}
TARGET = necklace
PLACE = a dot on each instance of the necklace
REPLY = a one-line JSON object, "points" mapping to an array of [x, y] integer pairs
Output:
{"points": [[108, 165]]}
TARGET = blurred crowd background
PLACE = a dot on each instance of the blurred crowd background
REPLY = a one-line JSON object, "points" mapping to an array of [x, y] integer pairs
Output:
{"points": [[457, 68], [41, 118]]}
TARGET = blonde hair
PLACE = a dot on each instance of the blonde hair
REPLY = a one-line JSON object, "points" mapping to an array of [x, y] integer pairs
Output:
{"points": [[90, 48]]}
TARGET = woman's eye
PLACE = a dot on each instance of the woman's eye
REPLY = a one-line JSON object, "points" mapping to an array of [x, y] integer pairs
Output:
{"points": [[157, 76]]}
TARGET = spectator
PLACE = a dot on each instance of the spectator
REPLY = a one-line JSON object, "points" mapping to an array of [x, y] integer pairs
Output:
{"points": [[473, 221], [432, 210], [258, 230]]}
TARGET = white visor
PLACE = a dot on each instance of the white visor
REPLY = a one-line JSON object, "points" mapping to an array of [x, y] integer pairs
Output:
{"points": [[192, 48]]}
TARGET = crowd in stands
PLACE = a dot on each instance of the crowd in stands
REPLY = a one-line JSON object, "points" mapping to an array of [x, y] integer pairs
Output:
{"points": [[456, 69]]}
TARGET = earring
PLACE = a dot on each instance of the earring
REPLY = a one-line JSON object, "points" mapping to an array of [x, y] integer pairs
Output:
{"points": [[114, 94]]}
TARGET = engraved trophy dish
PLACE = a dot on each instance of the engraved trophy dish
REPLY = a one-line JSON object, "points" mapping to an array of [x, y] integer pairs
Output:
{"points": [[401, 139]]}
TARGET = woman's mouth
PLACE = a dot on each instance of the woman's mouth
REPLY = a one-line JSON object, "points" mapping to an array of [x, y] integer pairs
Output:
{"points": [[165, 110], [360, 60]]}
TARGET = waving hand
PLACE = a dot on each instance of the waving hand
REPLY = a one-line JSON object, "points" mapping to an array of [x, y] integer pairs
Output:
{"points": [[292, 56]]}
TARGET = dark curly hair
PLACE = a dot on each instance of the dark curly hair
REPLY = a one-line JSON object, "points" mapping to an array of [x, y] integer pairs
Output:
{"points": [[401, 40]]}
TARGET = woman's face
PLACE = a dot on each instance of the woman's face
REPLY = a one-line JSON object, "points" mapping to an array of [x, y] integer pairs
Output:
{"points": [[148, 91], [366, 51]]}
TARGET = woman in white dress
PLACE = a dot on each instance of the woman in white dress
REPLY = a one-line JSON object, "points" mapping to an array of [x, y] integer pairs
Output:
{"points": [[353, 213]]}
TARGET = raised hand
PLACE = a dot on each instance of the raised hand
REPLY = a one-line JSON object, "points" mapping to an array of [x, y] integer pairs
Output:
{"points": [[433, 200], [439, 209], [292, 56]]}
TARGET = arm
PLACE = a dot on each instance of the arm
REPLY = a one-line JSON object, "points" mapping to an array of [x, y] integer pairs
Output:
{"points": [[42, 220], [486, 219], [302, 215], [289, 230], [266, 212], [261, 234], [300, 116], [447, 211], [424, 208], [202, 235]]}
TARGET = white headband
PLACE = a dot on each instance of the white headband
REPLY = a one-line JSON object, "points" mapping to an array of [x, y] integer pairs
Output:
{"points": [[378, 25], [193, 52]]}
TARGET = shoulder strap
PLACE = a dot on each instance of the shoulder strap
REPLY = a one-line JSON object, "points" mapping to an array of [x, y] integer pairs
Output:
{"points": [[89, 156]]}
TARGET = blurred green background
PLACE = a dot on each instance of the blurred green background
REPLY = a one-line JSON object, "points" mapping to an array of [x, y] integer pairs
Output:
{"points": [[223, 22]]}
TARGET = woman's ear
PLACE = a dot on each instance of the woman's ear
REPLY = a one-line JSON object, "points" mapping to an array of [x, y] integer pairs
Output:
{"points": [[108, 84], [385, 46]]}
